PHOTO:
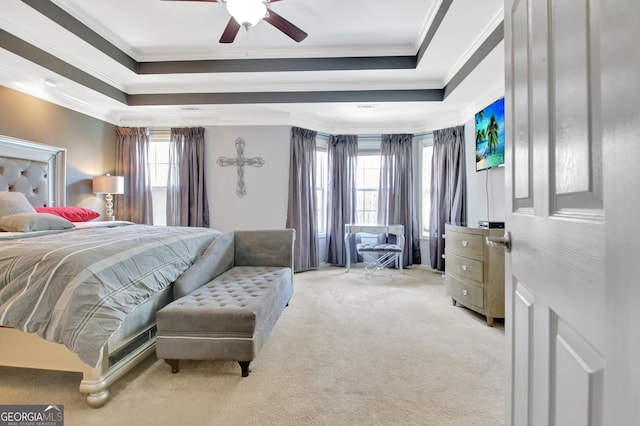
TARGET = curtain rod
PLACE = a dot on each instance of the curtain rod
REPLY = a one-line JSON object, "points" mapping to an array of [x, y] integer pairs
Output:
{"points": [[168, 130], [374, 134]]}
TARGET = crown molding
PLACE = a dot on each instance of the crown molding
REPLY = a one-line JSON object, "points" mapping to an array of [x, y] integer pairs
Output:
{"points": [[424, 28], [324, 86], [97, 27], [10, 30], [476, 44]]}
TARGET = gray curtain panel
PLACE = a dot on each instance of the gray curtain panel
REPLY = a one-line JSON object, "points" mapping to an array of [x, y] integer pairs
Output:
{"points": [[187, 203], [396, 200], [341, 195], [132, 162], [301, 211], [448, 189]]}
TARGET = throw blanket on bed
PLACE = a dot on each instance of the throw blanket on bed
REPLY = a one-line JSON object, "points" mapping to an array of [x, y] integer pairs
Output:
{"points": [[75, 287]]}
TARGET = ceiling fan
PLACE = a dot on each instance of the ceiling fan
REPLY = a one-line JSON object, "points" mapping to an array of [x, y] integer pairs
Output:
{"points": [[247, 13]]}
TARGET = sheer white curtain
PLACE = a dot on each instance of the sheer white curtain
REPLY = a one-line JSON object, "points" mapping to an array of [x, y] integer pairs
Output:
{"points": [[341, 195], [187, 203], [301, 211], [396, 200], [132, 162]]}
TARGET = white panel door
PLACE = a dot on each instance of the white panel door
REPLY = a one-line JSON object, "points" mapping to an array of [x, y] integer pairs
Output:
{"points": [[555, 273], [620, 82], [573, 201]]}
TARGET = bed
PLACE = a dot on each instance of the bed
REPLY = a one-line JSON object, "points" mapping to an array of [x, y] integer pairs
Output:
{"points": [[83, 297]]}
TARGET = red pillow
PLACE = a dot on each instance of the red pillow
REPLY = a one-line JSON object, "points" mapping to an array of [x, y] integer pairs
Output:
{"points": [[72, 214]]}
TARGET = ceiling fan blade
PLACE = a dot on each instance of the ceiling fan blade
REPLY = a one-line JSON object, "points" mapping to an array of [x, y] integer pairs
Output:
{"points": [[230, 32], [285, 26]]}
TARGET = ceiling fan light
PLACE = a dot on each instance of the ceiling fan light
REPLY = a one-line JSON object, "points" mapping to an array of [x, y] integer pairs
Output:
{"points": [[247, 12]]}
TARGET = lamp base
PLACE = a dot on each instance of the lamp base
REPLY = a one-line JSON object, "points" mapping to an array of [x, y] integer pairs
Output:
{"points": [[109, 199]]}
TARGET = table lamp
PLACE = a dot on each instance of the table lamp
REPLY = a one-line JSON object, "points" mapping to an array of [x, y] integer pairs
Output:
{"points": [[108, 185]]}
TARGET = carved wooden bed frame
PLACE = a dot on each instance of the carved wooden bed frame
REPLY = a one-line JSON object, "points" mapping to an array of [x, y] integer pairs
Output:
{"points": [[133, 342]]}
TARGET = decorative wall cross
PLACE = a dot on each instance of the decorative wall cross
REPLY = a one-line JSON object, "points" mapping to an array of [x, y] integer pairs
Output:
{"points": [[240, 162]]}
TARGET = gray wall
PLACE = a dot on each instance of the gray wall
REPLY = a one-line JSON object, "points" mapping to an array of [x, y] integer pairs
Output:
{"points": [[90, 143], [267, 188]]}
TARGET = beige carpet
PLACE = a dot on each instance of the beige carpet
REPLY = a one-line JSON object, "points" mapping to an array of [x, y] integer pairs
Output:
{"points": [[347, 351]]}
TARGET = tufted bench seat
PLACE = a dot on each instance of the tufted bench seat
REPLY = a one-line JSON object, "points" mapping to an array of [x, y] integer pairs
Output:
{"points": [[381, 256], [230, 316]]}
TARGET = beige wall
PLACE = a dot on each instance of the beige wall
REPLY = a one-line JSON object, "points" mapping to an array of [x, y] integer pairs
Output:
{"points": [[90, 143]]}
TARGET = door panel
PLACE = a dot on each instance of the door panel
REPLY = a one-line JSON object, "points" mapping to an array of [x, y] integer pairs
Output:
{"points": [[523, 356], [570, 85], [561, 261], [556, 267], [572, 158], [574, 107], [580, 383], [522, 140]]}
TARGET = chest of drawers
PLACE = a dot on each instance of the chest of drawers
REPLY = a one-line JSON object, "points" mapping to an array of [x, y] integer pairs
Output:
{"points": [[474, 272]]}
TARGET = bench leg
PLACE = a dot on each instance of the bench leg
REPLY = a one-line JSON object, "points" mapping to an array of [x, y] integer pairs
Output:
{"points": [[244, 365], [175, 365]]}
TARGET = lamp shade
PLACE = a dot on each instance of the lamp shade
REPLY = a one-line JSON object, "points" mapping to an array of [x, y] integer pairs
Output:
{"points": [[247, 12], [108, 184]]}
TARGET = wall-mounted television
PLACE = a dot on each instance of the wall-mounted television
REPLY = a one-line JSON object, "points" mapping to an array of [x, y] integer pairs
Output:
{"points": [[490, 136]]}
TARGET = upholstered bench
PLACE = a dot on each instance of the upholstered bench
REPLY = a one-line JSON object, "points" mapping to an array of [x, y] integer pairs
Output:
{"points": [[230, 316]]}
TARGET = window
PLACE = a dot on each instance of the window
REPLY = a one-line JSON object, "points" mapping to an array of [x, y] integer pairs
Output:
{"points": [[425, 182], [159, 140], [367, 180], [322, 169], [367, 184], [321, 191]]}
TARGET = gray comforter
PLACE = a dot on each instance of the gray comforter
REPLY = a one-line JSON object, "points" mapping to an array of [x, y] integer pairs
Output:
{"points": [[75, 287]]}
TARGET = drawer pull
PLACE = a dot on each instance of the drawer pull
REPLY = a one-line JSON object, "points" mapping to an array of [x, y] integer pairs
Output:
{"points": [[464, 268], [465, 243], [465, 292]]}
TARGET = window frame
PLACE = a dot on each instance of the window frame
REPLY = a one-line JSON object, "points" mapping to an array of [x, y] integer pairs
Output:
{"points": [[362, 190], [159, 192], [322, 147], [371, 145], [368, 145], [425, 143]]}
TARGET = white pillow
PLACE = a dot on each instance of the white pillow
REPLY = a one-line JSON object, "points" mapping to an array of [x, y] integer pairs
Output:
{"points": [[28, 222], [14, 203]]}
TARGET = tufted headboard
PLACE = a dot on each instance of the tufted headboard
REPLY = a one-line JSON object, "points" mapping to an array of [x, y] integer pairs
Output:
{"points": [[36, 170]]}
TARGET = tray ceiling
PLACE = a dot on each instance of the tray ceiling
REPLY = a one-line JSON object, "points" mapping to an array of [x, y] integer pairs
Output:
{"points": [[366, 66]]}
